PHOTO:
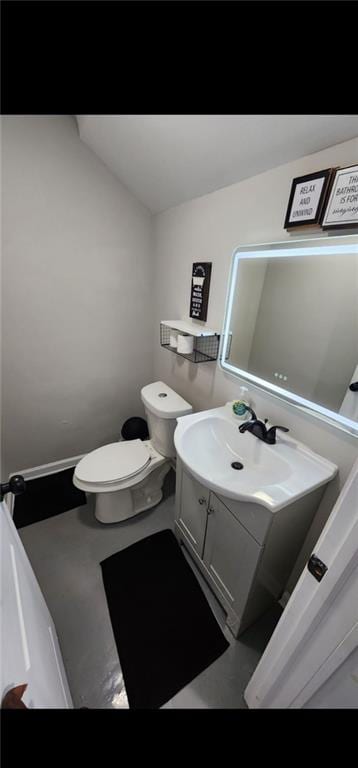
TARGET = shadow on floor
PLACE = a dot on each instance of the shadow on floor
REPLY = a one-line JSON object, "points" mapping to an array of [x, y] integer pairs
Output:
{"points": [[258, 635]]}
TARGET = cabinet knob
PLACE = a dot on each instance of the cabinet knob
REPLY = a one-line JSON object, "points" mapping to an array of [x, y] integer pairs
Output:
{"points": [[211, 510], [202, 500]]}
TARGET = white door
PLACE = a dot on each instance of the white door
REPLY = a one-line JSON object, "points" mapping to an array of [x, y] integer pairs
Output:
{"points": [[30, 651], [318, 630]]}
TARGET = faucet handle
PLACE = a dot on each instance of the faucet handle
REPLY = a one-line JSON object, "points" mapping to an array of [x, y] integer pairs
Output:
{"points": [[271, 433], [272, 430]]}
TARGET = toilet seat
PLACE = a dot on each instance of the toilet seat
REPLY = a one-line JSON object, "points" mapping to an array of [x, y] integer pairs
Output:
{"points": [[113, 463], [154, 461]]}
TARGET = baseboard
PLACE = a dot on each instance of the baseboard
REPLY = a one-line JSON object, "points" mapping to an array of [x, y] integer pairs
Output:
{"points": [[48, 469], [41, 471]]}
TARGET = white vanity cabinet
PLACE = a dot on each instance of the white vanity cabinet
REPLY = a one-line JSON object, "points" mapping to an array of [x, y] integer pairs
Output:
{"points": [[245, 552], [192, 511], [230, 553]]}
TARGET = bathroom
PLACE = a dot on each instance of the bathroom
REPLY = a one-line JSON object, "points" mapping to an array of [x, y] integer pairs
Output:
{"points": [[103, 218]]}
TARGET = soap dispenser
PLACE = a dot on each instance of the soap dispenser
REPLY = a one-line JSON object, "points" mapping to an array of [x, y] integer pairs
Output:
{"points": [[240, 406]]}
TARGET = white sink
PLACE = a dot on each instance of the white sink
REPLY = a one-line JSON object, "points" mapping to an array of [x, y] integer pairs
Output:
{"points": [[209, 442]]}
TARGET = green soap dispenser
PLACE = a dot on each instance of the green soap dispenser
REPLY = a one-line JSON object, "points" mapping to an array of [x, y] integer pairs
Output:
{"points": [[239, 407]]}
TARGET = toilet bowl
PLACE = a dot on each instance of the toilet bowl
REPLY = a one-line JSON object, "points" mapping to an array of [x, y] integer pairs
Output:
{"points": [[127, 477]]}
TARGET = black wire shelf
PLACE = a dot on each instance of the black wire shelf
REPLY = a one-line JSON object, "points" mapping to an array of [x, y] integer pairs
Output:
{"points": [[206, 348]]}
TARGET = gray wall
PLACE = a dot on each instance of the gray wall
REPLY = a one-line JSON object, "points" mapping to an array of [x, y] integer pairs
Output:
{"points": [[210, 228], [77, 294], [307, 326]]}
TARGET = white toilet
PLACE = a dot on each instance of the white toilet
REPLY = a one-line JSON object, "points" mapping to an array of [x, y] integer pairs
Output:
{"points": [[127, 477]]}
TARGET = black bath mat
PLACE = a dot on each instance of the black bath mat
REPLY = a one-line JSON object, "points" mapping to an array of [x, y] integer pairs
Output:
{"points": [[165, 631], [47, 496]]}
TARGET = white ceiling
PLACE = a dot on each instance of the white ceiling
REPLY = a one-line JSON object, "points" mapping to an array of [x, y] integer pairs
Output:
{"points": [[167, 159]]}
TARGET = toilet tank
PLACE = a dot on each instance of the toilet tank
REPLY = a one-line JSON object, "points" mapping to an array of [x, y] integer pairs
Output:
{"points": [[162, 407]]}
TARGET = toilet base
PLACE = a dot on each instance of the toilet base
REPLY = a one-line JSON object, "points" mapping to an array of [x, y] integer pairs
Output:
{"points": [[117, 506]]}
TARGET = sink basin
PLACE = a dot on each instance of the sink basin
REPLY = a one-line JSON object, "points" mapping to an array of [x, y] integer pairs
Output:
{"points": [[242, 467]]}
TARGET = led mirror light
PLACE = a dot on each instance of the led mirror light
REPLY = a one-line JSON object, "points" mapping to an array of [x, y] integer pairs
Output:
{"points": [[326, 246]]}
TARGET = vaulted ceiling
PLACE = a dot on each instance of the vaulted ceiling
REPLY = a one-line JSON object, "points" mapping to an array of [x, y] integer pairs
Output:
{"points": [[165, 160]]}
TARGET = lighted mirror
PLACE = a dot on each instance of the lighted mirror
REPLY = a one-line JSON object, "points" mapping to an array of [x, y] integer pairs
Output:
{"points": [[291, 324]]}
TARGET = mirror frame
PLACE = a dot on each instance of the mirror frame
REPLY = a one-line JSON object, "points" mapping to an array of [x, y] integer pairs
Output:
{"points": [[286, 248]]}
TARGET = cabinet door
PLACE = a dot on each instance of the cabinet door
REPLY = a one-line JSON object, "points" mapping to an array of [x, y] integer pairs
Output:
{"points": [[230, 554], [193, 511]]}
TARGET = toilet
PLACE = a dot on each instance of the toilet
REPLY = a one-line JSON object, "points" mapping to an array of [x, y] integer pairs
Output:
{"points": [[127, 476]]}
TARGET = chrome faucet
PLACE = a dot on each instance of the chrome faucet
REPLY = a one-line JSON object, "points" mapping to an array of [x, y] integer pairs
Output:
{"points": [[259, 429]]}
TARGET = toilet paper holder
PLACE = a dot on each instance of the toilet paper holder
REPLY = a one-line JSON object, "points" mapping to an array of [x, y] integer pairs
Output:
{"points": [[204, 344]]}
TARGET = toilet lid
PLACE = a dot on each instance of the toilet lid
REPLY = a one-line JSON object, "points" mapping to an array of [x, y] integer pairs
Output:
{"points": [[116, 461]]}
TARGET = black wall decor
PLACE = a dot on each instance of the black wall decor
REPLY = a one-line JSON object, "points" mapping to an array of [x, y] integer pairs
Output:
{"points": [[200, 284], [307, 200]]}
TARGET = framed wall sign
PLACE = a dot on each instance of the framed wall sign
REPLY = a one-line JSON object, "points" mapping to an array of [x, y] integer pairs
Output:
{"points": [[342, 206], [307, 199], [200, 284]]}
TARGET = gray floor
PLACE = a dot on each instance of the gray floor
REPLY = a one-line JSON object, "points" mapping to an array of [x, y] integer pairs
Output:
{"points": [[65, 552]]}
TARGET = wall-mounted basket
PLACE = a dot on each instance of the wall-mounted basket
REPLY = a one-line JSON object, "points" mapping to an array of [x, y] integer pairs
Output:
{"points": [[206, 341]]}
